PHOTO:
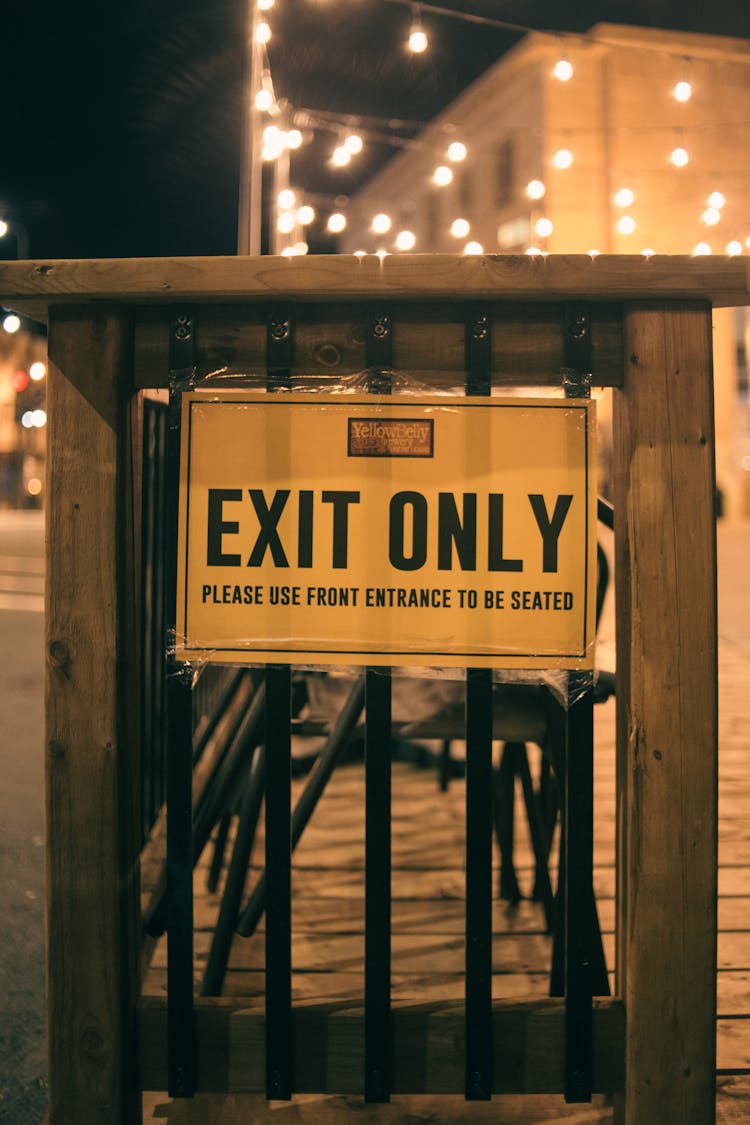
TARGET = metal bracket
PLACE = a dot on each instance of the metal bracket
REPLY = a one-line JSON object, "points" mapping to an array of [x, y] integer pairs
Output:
{"points": [[379, 352], [577, 351], [182, 341], [279, 340], [478, 350]]}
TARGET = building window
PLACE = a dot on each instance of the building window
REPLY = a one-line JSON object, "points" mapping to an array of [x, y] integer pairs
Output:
{"points": [[505, 173]]}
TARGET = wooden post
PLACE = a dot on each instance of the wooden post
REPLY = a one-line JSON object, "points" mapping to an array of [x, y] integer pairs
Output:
{"points": [[92, 764], [667, 701]]}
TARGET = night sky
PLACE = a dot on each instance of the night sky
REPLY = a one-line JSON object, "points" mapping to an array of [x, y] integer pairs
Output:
{"points": [[121, 125]]}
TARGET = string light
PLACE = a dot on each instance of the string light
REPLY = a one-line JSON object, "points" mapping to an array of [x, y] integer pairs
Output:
{"points": [[340, 157], [265, 5], [285, 223], [288, 252], [701, 250], [336, 222], [533, 252], [593, 253], [473, 248], [305, 215], [457, 151], [733, 249], [563, 69], [263, 100], [711, 216], [626, 225], [294, 139], [11, 323], [460, 228], [37, 370], [563, 158], [648, 252], [262, 32], [381, 253], [405, 240], [624, 197], [353, 144], [716, 199], [300, 248], [544, 227], [679, 157], [417, 36], [442, 176], [360, 254], [535, 189], [381, 224], [286, 199]]}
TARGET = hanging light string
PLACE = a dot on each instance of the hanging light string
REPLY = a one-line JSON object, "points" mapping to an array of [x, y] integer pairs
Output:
{"points": [[351, 129]]}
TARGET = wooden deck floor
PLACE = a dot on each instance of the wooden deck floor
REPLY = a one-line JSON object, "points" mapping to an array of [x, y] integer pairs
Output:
{"points": [[428, 848]]}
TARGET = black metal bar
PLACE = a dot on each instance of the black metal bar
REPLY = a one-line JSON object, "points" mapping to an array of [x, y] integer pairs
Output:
{"points": [[378, 1046], [279, 343], [247, 824], [504, 791], [479, 1039], [479, 795], [180, 1013], [335, 745], [279, 883], [579, 849], [542, 885]]}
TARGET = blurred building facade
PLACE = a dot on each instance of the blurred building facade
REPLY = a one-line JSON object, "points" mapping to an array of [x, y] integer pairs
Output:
{"points": [[643, 147], [23, 369]]}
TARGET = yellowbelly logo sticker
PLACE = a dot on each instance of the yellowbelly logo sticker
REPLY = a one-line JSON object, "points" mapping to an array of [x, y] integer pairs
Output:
{"points": [[393, 530]]}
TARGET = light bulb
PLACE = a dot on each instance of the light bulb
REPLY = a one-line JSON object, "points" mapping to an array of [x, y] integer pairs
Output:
{"points": [[716, 199], [456, 151], [711, 216], [353, 144], [679, 157], [733, 249], [405, 240], [460, 228], [285, 199], [263, 100], [381, 224], [293, 138], [300, 248], [682, 92], [473, 248], [417, 39], [285, 223], [360, 254], [626, 225], [11, 323], [305, 215], [701, 250], [442, 175], [262, 32], [37, 370], [624, 197], [563, 70], [340, 157], [535, 189], [336, 222], [563, 158], [288, 252], [543, 228]]}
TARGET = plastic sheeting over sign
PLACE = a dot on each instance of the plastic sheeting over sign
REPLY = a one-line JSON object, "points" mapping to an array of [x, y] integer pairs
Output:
{"points": [[387, 530]]}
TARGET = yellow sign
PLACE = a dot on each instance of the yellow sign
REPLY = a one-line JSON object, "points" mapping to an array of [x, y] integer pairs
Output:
{"points": [[386, 530]]}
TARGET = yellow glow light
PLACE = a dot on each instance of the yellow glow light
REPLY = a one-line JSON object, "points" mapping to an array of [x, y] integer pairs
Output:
{"points": [[456, 152], [3, 228], [594, 253], [263, 100], [360, 254], [336, 222], [293, 138], [682, 92], [265, 5], [701, 250], [473, 248], [716, 199], [544, 227], [563, 158], [34, 486], [340, 157], [624, 197], [563, 70], [535, 189], [417, 39], [381, 224], [11, 323], [626, 225], [711, 216], [353, 144], [305, 215], [733, 249], [263, 32], [37, 371], [460, 228], [405, 240], [679, 156], [381, 253], [442, 175], [648, 252], [286, 199], [285, 223], [533, 251], [300, 248], [288, 252]]}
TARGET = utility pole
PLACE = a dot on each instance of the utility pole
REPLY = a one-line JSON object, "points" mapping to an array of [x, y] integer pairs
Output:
{"points": [[251, 166]]}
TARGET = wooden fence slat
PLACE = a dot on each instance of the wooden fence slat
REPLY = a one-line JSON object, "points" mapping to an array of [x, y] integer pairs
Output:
{"points": [[667, 696], [92, 725]]}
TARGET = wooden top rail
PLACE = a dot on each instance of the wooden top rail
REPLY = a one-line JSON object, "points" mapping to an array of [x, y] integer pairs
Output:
{"points": [[31, 287]]}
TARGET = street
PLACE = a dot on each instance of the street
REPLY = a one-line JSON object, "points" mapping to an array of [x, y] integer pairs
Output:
{"points": [[23, 1063]]}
